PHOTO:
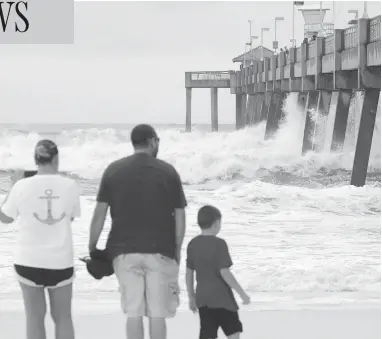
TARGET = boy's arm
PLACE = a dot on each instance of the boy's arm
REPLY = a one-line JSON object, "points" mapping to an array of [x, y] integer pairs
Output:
{"points": [[230, 279], [225, 263]]}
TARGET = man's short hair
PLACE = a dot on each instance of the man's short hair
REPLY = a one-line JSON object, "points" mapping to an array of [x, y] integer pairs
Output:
{"points": [[207, 215], [45, 151], [141, 134]]}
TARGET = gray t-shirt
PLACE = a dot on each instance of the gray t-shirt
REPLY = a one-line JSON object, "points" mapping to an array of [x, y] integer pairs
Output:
{"points": [[207, 255]]}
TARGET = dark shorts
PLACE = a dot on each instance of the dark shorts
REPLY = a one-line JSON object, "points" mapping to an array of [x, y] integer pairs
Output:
{"points": [[213, 318], [42, 277]]}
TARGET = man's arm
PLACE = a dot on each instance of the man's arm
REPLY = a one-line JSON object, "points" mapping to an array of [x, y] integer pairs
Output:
{"points": [[97, 224], [180, 203], [180, 230], [190, 283], [100, 212]]}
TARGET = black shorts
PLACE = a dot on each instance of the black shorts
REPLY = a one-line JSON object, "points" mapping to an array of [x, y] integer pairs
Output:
{"points": [[42, 277], [213, 318]]}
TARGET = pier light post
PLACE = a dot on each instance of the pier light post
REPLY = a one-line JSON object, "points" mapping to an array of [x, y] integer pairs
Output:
{"points": [[245, 52], [250, 31], [275, 43], [262, 50], [295, 3], [365, 16], [253, 37], [354, 21]]}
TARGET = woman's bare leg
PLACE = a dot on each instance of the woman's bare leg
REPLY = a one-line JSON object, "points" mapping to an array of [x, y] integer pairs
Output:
{"points": [[35, 311], [61, 310]]}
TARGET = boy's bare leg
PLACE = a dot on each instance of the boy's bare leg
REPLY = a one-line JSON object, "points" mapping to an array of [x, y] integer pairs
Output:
{"points": [[134, 328], [234, 336]]}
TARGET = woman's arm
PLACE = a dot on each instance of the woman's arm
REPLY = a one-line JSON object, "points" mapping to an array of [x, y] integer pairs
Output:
{"points": [[8, 209]]}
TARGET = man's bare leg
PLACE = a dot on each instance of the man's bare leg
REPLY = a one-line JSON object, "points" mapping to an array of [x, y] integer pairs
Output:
{"points": [[134, 328], [234, 336], [158, 328]]}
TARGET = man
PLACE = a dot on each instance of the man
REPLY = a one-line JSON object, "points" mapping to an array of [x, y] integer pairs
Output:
{"points": [[147, 208]]}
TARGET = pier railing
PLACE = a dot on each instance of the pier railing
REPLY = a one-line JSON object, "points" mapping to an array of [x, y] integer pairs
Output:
{"points": [[375, 29], [298, 54], [329, 45], [351, 37], [213, 75], [311, 50], [209, 79], [285, 71]]}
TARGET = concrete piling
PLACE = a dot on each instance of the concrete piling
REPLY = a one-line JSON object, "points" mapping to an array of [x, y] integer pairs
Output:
{"points": [[365, 137]]}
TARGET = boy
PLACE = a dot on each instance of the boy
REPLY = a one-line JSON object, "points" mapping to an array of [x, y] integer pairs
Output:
{"points": [[208, 255]]}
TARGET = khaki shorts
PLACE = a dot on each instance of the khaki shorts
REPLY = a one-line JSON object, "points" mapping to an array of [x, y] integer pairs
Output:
{"points": [[148, 284]]}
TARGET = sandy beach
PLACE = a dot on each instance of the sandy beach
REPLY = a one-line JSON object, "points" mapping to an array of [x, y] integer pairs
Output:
{"points": [[319, 324], [104, 322]]}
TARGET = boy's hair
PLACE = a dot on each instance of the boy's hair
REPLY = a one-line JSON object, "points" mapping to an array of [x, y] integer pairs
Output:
{"points": [[207, 215]]}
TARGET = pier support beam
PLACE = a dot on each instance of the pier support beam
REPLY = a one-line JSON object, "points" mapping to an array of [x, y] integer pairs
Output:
{"points": [[245, 103], [188, 109], [251, 117], [340, 122], [258, 107], [270, 128], [309, 130], [240, 109], [365, 137], [274, 114], [279, 110], [214, 110], [324, 98], [250, 109], [265, 106]]}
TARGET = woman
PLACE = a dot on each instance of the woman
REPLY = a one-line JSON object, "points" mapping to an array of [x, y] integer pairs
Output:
{"points": [[45, 205]]}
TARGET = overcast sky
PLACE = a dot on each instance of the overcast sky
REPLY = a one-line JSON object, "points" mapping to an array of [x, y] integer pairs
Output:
{"points": [[129, 58]]}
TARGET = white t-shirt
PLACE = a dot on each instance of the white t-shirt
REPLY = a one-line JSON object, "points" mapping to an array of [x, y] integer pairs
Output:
{"points": [[44, 205]]}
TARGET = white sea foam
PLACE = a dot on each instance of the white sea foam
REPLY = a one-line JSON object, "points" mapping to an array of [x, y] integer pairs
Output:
{"points": [[199, 156]]}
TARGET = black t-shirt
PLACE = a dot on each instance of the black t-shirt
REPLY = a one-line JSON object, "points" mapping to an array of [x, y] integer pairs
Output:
{"points": [[143, 193], [207, 255]]}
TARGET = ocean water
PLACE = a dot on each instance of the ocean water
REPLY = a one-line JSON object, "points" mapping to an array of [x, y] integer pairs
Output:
{"points": [[298, 233]]}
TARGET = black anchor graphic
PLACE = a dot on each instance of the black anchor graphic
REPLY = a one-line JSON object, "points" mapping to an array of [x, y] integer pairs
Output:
{"points": [[49, 219]]}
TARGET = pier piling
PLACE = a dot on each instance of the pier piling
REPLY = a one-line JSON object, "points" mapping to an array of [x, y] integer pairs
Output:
{"points": [[324, 98], [365, 137], [340, 122], [307, 141], [188, 109], [214, 110]]}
